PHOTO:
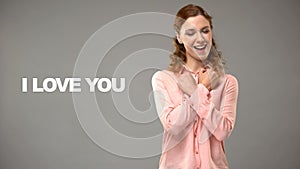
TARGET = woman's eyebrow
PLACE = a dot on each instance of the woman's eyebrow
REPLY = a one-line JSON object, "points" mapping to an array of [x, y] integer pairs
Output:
{"points": [[205, 27], [190, 30], [193, 29]]}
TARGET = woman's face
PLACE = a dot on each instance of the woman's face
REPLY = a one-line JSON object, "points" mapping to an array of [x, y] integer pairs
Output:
{"points": [[196, 36]]}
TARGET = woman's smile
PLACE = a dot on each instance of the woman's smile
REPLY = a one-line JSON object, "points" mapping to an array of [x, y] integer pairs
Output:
{"points": [[200, 49]]}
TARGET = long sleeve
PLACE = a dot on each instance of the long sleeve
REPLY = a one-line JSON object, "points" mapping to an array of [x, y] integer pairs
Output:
{"points": [[196, 125], [174, 111], [219, 122]]}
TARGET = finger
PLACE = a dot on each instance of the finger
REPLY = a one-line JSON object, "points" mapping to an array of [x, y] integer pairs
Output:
{"points": [[182, 70], [207, 66], [203, 70]]}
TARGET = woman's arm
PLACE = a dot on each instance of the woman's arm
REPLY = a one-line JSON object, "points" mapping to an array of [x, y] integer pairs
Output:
{"points": [[175, 117], [219, 122]]}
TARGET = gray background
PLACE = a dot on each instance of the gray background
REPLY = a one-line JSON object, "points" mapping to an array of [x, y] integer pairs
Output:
{"points": [[259, 39]]}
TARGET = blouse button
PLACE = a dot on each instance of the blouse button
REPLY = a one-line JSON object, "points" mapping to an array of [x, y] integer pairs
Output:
{"points": [[196, 152]]}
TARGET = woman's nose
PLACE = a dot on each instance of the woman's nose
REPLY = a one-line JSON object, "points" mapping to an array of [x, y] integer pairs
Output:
{"points": [[200, 37]]}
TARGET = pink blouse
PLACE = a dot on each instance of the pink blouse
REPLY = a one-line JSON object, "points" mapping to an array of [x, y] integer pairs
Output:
{"points": [[195, 126]]}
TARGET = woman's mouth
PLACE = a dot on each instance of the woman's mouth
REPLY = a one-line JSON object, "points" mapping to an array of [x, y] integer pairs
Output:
{"points": [[200, 48]]}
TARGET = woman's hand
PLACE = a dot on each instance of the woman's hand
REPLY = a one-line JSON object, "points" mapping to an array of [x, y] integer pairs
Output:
{"points": [[209, 78], [204, 78], [187, 83]]}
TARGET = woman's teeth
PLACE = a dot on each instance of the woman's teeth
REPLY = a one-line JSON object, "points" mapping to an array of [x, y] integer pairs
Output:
{"points": [[200, 47]]}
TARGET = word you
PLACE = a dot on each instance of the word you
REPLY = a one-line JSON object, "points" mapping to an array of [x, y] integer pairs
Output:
{"points": [[74, 84]]}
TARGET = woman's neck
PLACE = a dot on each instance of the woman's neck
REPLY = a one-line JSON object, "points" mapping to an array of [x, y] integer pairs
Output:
{"points": [[194, 64]]}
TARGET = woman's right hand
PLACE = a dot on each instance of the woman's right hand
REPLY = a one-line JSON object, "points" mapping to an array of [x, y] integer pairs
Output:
{"points": [[187, 83]]}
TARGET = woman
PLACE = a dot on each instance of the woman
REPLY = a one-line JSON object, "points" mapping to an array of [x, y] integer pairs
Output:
{"points": [[195, 99]]}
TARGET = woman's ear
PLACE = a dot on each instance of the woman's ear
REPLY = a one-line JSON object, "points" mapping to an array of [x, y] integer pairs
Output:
{"points": [[178, 38]]}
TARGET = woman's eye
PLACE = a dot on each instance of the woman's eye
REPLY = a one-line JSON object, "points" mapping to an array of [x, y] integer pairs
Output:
{"points": [[190, 33], [205, 31]]}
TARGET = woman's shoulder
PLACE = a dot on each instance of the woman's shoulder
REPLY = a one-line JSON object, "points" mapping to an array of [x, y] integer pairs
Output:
{"points": [[165, 77], [164, 74], [230, 77], [231, 80]]}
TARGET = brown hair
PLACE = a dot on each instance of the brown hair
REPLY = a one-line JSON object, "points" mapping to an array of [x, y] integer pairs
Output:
{"points": [[178, 57]]}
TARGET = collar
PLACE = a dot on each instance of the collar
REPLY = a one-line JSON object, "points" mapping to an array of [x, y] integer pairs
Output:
{"points": [[194, 74], [190, 70]]}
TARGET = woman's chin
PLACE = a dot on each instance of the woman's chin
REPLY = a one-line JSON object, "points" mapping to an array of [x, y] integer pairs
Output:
{"points": [[201, 54], [202, 57]]}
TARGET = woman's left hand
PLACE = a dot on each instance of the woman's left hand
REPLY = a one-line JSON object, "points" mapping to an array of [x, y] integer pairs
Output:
{"points": [[204, 78], [209, 78]]}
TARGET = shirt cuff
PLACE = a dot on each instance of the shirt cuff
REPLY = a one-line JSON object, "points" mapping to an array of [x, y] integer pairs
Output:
{"points": [[199, 100]]}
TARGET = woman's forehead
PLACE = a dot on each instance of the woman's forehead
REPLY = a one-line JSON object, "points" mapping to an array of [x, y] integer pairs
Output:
{"points": [[196, 22]]}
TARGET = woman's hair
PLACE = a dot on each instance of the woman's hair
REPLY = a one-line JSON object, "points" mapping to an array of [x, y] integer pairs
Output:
{"points": [[178, 57]]}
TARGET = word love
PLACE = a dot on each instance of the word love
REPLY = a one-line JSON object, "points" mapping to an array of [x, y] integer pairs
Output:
{"points": [[74, 84]]}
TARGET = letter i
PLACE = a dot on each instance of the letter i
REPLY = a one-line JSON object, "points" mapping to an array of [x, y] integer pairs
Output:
{"points": [[24, 84]]}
